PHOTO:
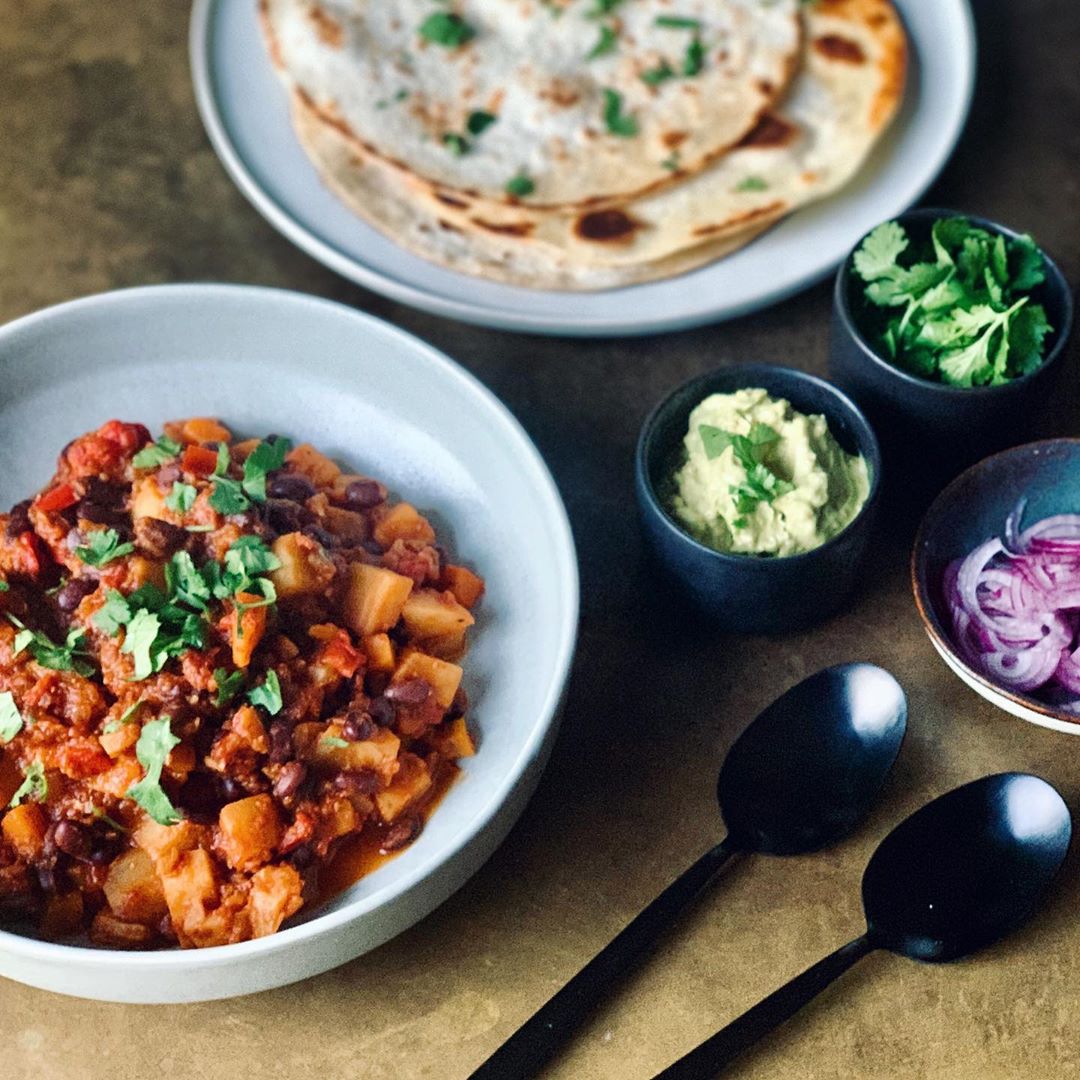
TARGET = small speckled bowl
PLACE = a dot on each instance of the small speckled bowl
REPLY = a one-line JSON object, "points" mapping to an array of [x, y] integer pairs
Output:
{"points": [[742, 593], [972, 509], [931, 431]]}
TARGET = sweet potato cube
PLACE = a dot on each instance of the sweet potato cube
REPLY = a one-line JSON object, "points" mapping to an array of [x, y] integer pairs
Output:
{"points": [[275, 895], [203, 429], [249, 831], [432, 616], [147, 500], [379, 753], [133, 888], [107, 929], [443, 677], [453, 739], [318, 468], [63, 915], [166, 844], [403, 522], [350, 526], [305, 568], [24, 829], [374, 598], [114, 743], [413, 780], [464, 584], [245, 628], [380, 652]]}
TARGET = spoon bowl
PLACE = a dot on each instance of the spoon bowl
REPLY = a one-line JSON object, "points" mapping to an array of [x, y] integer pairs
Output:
{"points": [[808, 769], [967, 868]]}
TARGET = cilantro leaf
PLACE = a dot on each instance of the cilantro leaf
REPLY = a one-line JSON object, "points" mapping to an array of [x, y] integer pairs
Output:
{"points": [[519, 186], [457, 144], [228, 496], [677, 22], [615, 120], [751, 183], [604, 44], [139, 639], [228, 685], [181, 498], [70, 656], [34, 785], [102, 546], [446, 28], [761, 484], [333, 741], [156, 740], [126, 717], [11, 720], [186, 585], [478, 122], [878, 254], [267, 694], [660, 73], [601, 8], [4, 586], [157, 453], [694, 60], [113, 614]]}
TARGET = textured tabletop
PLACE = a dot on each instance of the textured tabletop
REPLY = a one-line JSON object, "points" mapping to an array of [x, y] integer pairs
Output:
{"points": [[107, 180]]}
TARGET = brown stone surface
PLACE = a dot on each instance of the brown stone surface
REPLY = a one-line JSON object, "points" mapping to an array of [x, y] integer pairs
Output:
{"points": [[106, 180]]}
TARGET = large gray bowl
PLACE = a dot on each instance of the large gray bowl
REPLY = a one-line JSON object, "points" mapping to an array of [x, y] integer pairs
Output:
{"points": [[386, 404]]}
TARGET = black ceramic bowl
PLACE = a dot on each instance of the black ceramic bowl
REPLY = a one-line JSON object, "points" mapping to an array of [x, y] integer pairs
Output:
{"points": [[930, 431], [742, 593], [973, 508]]}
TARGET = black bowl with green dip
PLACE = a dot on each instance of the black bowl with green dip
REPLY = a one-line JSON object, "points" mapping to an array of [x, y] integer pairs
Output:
{"points": [[931, 430], [755, 593]]}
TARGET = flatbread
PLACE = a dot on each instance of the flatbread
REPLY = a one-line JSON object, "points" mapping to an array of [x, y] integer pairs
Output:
{"points": [[365, 66], [374, 191]]}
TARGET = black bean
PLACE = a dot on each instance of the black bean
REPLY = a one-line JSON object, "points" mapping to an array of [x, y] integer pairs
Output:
{"points": [[458, 705], [372, 547], [71, 595], [358, 727], [201, 795], [290, 778], [19, 519], [281, 747], [302, 857], [159, 539], [320, 535], [231, 789], [382, 712], [409, 692], [358, 782], [401, 833], [72, 839], [291, 486], [363, 495], [47, 878], [283, 516], [98, 514], [104, 493]]}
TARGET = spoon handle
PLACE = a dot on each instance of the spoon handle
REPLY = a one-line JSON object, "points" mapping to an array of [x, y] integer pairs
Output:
{"points": [[537, 1040], [704, 1062]]}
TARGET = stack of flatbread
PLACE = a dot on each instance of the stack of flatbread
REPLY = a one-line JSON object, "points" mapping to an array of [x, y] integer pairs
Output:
{"points": [[584, 144]]}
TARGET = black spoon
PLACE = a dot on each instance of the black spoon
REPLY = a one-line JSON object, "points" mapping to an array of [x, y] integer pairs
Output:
{"points": [[799, 778], [957, 875]]}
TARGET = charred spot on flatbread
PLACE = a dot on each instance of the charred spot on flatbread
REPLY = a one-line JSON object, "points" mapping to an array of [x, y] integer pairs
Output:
{"points": [[836, 47], [606, 226], [504, 228], [771, 130]]}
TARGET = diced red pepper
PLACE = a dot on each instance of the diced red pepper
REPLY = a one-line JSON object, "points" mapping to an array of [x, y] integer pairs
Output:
{"points": [[338, 653], [198, 460], [58, 498], [128, 436]]}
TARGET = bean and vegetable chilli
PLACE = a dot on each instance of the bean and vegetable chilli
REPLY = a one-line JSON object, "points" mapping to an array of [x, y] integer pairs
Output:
{"points": [[227, 683]]}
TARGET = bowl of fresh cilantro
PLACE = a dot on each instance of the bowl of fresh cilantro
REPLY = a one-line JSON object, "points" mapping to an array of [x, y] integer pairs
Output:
{"points": [[949, 331]]}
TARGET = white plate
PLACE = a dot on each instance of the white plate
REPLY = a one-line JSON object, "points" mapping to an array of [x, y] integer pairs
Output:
{"points": [[379, 400], [244, 108]]}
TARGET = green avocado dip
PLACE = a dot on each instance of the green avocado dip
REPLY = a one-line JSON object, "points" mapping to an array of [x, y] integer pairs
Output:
{"points": [[762, 479]]}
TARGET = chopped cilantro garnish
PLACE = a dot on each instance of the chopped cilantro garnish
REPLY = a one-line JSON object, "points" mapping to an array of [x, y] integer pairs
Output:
{"points": [[616, 121], [267, 694], [751, 183], [126, 717], [334, 741], [671, 162], [761, 483], [71, 656], [694, 58], [232, 496], [112, 614], [228, 685], [139, 639], [11, 720], [605, 43], [479, 121], [181, 498], [660, 73], [601, 8], [102, 546], [455, 143], [958, 308], [34, 785], [4, 586], [156, 740], [446, 28], [150, 457], [677, 22], [519, 186]]}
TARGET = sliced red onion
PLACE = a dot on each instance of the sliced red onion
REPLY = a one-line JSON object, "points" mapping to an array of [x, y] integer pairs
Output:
{"points": [[1014, 605]]}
